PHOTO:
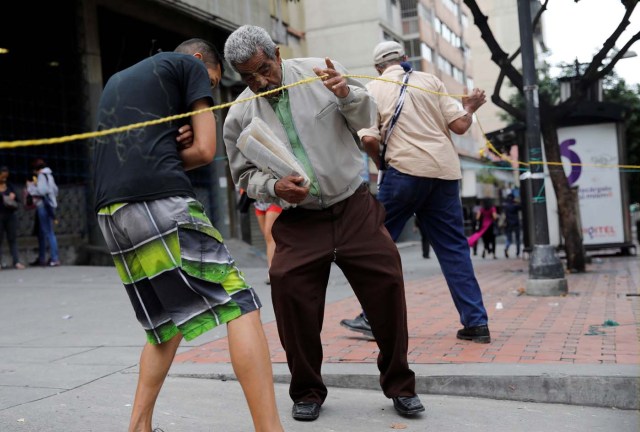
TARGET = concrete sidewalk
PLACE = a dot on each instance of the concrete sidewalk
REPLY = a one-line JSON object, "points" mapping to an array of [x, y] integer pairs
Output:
{"points": [[70, 346], [582, 348]]}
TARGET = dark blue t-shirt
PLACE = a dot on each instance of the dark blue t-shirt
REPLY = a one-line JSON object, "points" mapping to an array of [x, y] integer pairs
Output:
{"points": [[143, 164], [512, 216]]}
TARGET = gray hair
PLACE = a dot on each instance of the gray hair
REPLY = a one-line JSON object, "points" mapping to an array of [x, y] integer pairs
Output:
{"points": [[388, 63], [245, 42]]}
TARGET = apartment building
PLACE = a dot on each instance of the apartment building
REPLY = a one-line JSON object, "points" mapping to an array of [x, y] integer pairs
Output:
{"points": [[435, 33]]}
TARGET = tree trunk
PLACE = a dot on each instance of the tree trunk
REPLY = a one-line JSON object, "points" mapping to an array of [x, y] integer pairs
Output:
{"points": [[567, 201]]}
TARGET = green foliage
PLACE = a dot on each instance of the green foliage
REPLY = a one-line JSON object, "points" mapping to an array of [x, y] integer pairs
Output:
{"points": [[548, 89], [485, 176], [616, 90]]}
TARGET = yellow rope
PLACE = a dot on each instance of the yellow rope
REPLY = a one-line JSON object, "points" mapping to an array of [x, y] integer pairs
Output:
{"points": [[408, 85], [75, 137], [86, 135]]}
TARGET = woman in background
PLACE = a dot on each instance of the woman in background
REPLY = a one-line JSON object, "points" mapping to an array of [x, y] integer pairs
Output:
{"points": [[486, 216], [44, 191]]}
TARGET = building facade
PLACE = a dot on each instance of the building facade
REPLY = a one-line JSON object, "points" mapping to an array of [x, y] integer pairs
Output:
{"points": [[57, 57]]}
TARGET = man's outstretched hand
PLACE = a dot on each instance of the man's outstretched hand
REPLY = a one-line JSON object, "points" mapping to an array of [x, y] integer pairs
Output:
{"points": [[289, 189], [334, 81]]}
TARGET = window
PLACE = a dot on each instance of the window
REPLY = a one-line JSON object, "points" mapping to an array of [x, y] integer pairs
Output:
{"points": [[410, 26], [455, 40], [426, 52], [458, 75], [408, 8], [466, 51], [416, 65], [425, 13], [469, 83], [465, 21], [412, 49], [437, 25], [452, 6], [447, 34], [444, 65]]}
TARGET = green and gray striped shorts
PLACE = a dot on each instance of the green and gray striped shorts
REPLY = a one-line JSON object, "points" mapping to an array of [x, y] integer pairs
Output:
{"points": [[174, 265]]}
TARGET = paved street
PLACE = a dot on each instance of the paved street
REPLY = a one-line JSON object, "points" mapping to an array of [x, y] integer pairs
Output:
{"points": [[70, 346]]}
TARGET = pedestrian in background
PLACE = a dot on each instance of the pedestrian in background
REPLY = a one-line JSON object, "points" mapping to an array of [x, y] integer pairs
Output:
{"points": [[335, 218], [486, 217], [411, 143], [512, 211], [8, 219], [44, 191], [174, 265]]}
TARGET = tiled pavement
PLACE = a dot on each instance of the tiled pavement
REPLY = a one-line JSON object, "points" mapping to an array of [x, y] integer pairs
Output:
{"points": [[596, 323]]}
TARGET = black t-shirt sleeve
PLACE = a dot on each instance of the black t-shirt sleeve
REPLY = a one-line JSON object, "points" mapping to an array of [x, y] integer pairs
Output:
{"points": [[196, 80]]}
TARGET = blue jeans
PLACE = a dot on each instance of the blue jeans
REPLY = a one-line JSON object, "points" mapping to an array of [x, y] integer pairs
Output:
{"points": [[436, 203], [46, 236], [512, 230]]}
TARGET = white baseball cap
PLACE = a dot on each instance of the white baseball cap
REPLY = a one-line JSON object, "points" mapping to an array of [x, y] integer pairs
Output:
{"points": [[387, 50]]}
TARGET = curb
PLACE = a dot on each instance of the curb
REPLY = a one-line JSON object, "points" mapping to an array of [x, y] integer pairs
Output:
{"points": [[604, 386]]}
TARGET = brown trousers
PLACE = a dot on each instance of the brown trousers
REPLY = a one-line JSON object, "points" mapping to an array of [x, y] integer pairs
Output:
{"points": [[350, 233]]}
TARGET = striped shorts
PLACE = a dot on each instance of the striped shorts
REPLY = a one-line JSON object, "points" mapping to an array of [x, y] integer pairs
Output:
{"points": [[174, 265]]}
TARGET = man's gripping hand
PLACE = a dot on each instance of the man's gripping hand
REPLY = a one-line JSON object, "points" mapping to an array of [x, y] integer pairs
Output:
{"points": [[289, 189], [185, 137], [475, 100]]}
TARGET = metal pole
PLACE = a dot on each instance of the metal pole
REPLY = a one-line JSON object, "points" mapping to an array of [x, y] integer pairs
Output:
{"points": [[546, 273]]}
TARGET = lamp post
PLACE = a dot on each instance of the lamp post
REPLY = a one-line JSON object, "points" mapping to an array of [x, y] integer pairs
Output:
{"points": [[546, 272]]}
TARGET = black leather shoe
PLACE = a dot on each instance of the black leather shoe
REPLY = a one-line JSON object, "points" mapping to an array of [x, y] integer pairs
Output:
{"points": [[359, 324], [478, 334], [305, 411], [408, 405]]}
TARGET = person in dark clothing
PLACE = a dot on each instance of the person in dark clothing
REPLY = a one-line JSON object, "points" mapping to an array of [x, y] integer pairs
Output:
{"points": [[8, 220], [512, 211], [173, 263]]}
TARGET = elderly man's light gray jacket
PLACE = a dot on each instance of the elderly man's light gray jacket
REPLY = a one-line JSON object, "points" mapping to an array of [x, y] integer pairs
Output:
{"points": [[326, 126]]}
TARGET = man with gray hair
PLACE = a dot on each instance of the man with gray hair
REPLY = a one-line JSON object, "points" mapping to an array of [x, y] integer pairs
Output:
{"points": [[333, 219]]}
